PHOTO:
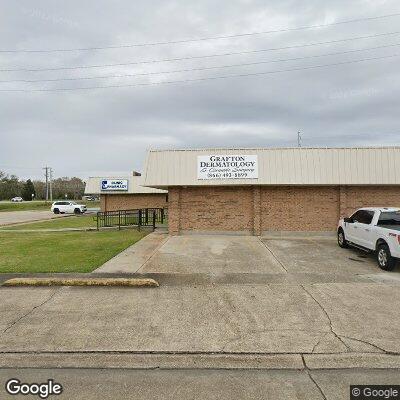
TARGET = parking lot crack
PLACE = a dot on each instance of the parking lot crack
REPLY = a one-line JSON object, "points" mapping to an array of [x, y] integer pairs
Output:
{"points": [[318, 342], [312, 378], [367, 343], [327, 317], [31, 310]]}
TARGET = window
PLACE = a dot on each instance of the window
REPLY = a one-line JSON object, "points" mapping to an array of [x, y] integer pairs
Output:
{"points": [[389, 218], [363, 216]]}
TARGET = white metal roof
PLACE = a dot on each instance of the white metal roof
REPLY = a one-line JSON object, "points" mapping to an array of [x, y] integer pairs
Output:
{"points": [[281, 166], [134, 185]]}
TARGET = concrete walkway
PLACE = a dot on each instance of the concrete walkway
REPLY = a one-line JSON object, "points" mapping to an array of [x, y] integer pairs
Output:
{"points": [[134, 257]]}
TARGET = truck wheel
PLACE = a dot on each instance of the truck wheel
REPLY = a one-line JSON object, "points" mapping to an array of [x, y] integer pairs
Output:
{"points": [[56, 211], [77, 211], [384, 258], [341, 239]]}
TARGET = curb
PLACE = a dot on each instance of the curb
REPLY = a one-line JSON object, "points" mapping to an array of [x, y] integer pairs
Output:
{"points": [[145, 361], [128, 282], [352, 360]]}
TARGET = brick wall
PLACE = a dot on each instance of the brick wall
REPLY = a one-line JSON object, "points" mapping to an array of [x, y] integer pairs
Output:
{"points": [[114, 202], [211, 209], [299, 208], [369, 196], [256, 209], [174, 210]]}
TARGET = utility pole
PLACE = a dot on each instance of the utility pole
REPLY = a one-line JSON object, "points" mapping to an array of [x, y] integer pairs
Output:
{"points": [[51, 184], [299, 139], [46, 174]]}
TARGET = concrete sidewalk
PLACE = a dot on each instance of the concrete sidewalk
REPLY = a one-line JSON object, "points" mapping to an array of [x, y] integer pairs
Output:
{"points": [[134, 257]]}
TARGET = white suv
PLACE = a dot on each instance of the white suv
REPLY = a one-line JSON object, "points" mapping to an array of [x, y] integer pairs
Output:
{"points": [[67, 207]]}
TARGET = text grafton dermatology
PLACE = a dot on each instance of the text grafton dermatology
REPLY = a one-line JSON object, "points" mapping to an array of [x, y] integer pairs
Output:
{"points": [[242, 166], [227, 162]]}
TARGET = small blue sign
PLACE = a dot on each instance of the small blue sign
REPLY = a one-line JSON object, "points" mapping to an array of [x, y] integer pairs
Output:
{"points": [[114, 185]]}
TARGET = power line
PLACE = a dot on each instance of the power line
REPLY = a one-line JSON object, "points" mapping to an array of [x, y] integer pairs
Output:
{"points": [[202, 79], [199, 68], [202, 56], [203, 38]]}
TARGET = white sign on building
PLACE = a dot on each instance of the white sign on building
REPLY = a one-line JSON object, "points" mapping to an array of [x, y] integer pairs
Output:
{"points": [[227, 167], [113, 185]]}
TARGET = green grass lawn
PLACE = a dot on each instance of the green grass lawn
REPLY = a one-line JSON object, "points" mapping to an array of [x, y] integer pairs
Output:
{"points": [[24, 206], [38, 205], [61, 251], [82, 221]]}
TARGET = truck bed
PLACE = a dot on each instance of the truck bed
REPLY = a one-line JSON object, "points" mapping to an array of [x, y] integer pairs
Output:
{"points": [[394, 227]]}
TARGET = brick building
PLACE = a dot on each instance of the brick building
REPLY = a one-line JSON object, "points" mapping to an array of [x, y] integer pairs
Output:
{"points": [[258, 191], [125, 193]]}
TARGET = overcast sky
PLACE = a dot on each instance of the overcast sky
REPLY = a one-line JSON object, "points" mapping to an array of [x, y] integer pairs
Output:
{"points": [[105, 131]]}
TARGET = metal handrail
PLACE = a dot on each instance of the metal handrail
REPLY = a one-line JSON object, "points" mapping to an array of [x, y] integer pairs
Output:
{"points": [[143, 217]]}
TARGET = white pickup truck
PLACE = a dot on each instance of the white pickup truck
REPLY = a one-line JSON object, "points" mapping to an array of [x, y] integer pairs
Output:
{"points": [[376, 229]]}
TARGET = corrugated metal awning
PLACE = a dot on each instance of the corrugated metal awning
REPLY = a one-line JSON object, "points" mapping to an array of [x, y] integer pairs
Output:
{"points": [[281, 166]]}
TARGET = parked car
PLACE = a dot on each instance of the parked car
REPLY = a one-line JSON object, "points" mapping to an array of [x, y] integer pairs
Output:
{"points": [[373, 229], [68, 207], [17, 199], [89, 198]]}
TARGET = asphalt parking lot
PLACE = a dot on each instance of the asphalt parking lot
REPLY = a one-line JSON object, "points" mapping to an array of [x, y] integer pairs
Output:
{"points": [[270, 318]]}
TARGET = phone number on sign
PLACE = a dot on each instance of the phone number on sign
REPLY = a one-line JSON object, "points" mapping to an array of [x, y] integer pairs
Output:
{"points": [[211, 175]]}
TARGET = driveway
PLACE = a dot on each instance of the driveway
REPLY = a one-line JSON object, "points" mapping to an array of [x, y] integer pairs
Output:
{"points": [[15, 217]]}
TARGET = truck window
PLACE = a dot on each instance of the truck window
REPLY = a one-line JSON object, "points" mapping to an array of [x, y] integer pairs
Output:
{"points": [[389, 218], [363, 216]]}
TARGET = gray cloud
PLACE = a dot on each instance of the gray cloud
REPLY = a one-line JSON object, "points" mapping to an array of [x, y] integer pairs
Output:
{"points": [[109, 130]]}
